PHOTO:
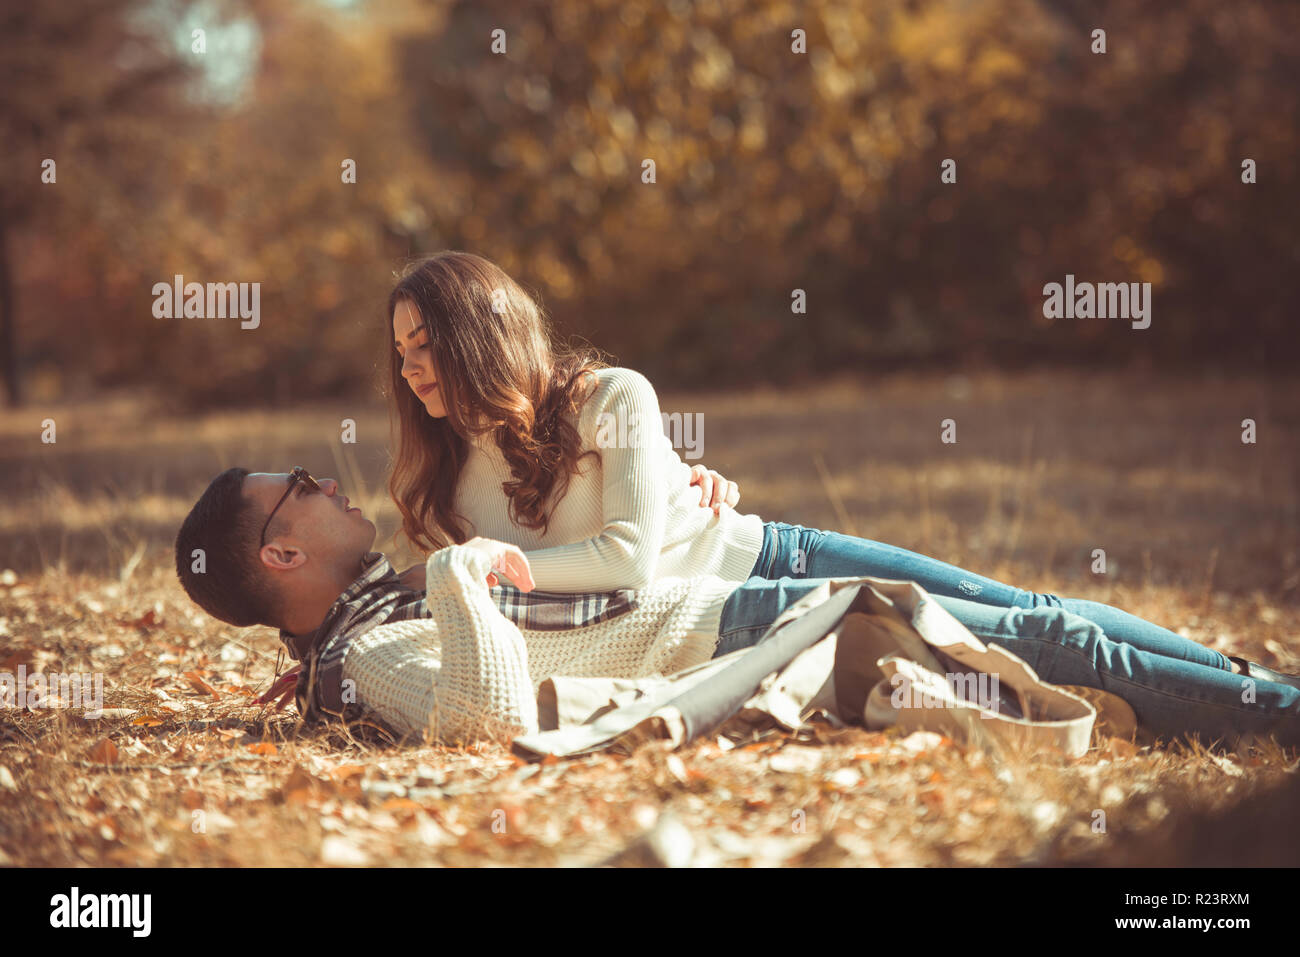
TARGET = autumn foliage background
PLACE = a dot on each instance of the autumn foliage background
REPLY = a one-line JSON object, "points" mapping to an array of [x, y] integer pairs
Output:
{"points": [[775, 171]]}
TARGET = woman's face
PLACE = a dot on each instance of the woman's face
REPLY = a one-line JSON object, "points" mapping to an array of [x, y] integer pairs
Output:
{"points": [[412, 344]]}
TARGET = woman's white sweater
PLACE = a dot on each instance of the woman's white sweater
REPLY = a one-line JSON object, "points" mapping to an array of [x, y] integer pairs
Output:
{"points": [[467, 672], [629, 517]]}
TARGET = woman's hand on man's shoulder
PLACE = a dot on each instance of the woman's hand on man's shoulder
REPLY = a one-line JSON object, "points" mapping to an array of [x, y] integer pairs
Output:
{"points": [[507, 559]]}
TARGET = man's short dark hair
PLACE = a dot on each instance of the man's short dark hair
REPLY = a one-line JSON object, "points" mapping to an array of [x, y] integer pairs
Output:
{"points": [[230, 583]]}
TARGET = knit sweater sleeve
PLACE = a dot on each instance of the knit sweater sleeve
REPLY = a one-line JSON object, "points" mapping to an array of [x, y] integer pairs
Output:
{"points": [[621, 421], [479, 689]]}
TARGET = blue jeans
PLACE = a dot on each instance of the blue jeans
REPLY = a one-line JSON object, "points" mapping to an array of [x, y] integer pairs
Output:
{"points": [[1171, 695], [796, 552]]}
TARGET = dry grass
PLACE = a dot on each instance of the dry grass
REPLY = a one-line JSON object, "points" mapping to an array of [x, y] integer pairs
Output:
{"points": [[1200, 533]]}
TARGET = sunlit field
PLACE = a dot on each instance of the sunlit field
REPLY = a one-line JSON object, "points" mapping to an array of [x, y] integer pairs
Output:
{"points": [[1201, 533]]}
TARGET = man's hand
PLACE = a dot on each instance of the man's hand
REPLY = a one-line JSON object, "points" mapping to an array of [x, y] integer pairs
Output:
{"points": [[715, 490], [507, 559]]}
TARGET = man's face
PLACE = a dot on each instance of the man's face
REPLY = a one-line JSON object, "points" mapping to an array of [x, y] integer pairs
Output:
{"points": [[322, 524]]}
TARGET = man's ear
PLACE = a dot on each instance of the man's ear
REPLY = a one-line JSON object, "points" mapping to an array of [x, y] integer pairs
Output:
{"points": [[282, 557]]}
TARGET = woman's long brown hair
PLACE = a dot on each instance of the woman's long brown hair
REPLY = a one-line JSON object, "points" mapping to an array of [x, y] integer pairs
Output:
{"points": [[499, 372]]}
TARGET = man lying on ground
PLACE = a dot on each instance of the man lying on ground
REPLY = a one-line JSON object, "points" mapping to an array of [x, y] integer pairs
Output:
{"points": [[287, 551]]}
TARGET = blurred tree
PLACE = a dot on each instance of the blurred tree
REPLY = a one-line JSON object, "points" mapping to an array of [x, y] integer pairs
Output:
{"points": [[73, 76], [775, 170], [821, 171], [265, 199]]}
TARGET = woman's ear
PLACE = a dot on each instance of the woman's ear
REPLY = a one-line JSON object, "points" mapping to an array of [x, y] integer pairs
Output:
{"points": [[282, 557]]}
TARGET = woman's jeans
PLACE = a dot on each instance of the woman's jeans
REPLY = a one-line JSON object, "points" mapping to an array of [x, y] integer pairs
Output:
{"points": [[1174, 685], [792, 551]]}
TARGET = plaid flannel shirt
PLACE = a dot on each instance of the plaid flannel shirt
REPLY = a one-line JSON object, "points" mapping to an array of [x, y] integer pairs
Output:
{"points": [[378, 597]]}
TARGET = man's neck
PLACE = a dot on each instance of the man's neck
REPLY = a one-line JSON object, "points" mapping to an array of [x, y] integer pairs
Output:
{"points": [[313, 601]]}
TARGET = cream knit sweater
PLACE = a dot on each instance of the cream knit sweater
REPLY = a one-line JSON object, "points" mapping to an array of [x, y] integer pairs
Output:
{"points": [[629, 517], [468, 672]]}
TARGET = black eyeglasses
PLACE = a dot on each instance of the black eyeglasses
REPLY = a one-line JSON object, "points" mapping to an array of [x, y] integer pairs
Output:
{"points": [[298, 474]]}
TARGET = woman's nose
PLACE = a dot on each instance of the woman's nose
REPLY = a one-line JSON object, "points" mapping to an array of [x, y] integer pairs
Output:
{"points": [[328, 486]]}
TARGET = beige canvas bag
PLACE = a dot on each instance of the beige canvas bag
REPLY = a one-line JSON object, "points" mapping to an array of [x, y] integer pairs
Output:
{"points": [[892, 635]]}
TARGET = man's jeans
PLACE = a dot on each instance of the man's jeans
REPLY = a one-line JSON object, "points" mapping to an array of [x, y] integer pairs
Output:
{"points": [[1171, 694]]}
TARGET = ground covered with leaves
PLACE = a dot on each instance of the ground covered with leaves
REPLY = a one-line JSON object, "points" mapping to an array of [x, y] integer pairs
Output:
{"points": [[184, 768]]}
